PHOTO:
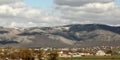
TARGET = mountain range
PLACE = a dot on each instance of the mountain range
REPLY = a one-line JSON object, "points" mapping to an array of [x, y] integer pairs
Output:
{"points": [[74, 35]]}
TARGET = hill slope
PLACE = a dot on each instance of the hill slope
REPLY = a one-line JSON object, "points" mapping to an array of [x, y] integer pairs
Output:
{"points": [[76, 35]]}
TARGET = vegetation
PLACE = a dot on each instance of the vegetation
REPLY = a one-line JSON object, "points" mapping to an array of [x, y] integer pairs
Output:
{"points": [[93, 58], [27, 54], [11, 53], [53, 55]]}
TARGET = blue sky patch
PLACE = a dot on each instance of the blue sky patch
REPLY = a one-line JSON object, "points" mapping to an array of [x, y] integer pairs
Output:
{"points": [[43, 4]]}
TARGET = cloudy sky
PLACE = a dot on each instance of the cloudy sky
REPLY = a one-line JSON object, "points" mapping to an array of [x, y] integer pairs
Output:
{"points": [[31, 13]]}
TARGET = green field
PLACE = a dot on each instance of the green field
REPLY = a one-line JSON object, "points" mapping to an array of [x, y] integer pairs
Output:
{"points": [[93, 58]]}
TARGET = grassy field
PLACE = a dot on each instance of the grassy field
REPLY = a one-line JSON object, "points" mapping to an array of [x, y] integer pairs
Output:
{"points": [[93, 58]]}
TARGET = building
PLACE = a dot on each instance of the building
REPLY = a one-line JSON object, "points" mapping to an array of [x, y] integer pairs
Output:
{"points": [[100, 53]]}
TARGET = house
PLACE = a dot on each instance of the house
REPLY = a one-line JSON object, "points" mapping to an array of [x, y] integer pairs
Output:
{"points": [[100, 53], [60, 53], [65, 55], [76, 55], [86, 54]]}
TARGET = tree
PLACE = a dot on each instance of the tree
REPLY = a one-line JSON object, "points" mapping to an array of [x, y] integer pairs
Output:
{"points": [[26, 54], [1, 54], [53, 55], [7, 51], [39, 54], [14, 55], [109, 52]]}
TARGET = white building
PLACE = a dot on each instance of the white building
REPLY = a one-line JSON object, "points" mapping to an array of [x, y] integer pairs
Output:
{"points": [[100, 53]]}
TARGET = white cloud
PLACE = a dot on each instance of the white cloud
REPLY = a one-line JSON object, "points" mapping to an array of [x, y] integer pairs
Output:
{"points": [[8, 1], [16, 24], [79, 2], [19, 14], [16, 13], [89, 11]]}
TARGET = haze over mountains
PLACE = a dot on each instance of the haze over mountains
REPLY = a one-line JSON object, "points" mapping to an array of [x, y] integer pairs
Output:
{"points": [[75, 35]]}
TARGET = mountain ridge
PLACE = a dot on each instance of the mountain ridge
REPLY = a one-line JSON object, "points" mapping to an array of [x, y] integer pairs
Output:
{"points": [[75, 35]]}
